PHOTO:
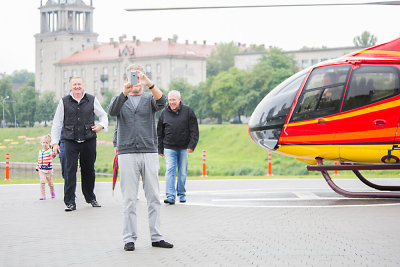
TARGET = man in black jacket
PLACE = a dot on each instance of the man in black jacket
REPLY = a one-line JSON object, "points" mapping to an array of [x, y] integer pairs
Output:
{"points": [[178, 133]]}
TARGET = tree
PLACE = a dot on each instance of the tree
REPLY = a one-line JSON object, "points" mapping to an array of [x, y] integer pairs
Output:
{"points": [[277, 60], [221, 59], [22, 76], [5, 86], [272, 69], [6, 90], [225, 88], [26, 104], [107, 96], [46, 107], [183, 87], [365, 39]]}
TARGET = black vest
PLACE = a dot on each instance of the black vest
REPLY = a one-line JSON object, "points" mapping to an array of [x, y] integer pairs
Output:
{"points": [[78, 118]]}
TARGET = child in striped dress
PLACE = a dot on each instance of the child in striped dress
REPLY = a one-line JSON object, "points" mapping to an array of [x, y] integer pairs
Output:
{"points": [[44, 166]]}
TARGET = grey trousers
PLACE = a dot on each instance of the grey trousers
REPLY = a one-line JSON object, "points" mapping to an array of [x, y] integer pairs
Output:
{"points": [[132, 166]]}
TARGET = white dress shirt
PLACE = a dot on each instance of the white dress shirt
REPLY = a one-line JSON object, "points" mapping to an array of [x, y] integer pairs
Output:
{"points": [[58, 120]]}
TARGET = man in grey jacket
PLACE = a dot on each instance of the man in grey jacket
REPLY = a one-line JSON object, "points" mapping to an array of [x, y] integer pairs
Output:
{"points": [[137, 153]]}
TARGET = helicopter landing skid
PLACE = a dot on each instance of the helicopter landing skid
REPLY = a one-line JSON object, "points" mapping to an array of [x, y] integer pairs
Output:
{"points": [[355, 168]]}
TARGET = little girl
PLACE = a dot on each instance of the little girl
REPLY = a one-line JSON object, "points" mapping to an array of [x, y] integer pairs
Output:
{"points": [[44, 166]]}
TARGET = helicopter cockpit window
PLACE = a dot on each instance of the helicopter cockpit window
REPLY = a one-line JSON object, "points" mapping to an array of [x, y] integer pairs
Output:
{"points": [[272, 111], [323, 93], [369, 84]]}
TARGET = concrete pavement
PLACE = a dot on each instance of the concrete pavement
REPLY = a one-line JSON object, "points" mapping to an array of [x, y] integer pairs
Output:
{"points": [[267, 222]]}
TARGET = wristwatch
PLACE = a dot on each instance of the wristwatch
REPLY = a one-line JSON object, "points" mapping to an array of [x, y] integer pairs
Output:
{"points": [[151, 87]]}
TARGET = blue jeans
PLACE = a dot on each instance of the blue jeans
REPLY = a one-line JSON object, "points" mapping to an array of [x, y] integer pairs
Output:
{"points": [[175, 158]]}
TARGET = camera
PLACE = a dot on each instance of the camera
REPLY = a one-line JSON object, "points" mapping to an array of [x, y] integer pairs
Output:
{"points": [[134, 78]]}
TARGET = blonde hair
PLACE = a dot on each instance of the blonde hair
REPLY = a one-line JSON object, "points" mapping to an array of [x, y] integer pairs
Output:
{"points": [[46, 137]]}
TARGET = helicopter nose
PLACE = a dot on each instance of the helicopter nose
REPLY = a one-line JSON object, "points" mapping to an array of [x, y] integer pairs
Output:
{"points": [[268, 119], [265, 129]]}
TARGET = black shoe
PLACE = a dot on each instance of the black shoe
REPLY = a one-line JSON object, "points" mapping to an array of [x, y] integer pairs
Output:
{"points": [[162, 244], [169, 200], [130, 246], [182, 199], [70, 207], [94, 203]]}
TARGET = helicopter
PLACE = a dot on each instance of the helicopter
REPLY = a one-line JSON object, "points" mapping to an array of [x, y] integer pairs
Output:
{"points": [[345, 110]]}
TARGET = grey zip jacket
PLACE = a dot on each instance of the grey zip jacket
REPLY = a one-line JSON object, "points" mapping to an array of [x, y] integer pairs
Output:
{"points": [[136, 127]]}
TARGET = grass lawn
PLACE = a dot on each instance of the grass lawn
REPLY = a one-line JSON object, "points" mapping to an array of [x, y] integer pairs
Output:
{"points": [[230, 154]]}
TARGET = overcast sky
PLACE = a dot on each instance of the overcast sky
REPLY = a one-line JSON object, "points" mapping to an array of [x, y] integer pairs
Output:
{"points": [[289, 28]]}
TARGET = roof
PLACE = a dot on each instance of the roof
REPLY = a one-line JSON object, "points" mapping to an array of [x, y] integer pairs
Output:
{"points": [[113, 51]]}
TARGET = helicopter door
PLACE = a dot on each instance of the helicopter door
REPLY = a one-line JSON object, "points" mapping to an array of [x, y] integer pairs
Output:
{"points": [[312, 127], [370, 115]]}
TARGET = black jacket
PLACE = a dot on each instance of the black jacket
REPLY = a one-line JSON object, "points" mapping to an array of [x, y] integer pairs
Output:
{"points": [[177, 130]]}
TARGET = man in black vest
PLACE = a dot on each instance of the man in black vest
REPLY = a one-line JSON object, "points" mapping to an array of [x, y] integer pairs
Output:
{"points": [[75, 112]]}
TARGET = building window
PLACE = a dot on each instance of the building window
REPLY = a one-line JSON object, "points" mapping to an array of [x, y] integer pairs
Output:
{"points": [[65, 87], [159, 81], [314, 61], [158, 68], [304, 63], [73, 73], [114, 84], [41, 64], [95, 72], [105, 70], [105, 84], [115, 71], [148, 68], [41, 52], [41, 76], [65, 74], [95, 87], [370, 84], [323, 93], [83, 73]]}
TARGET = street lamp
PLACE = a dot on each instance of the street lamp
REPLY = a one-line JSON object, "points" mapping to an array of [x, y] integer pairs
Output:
{"points": [[4, 99]]}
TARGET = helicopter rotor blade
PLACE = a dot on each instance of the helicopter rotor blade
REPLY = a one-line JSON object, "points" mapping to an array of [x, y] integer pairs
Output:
{"points": [[262, 6]]}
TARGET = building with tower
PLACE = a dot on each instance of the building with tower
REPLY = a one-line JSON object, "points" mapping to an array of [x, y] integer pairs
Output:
{"points": [[67, 46], [66, 26]]}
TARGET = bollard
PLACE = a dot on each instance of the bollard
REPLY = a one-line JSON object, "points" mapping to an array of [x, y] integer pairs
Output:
{"points": [[269, 163], [7, 167], [204, 165], [335, 172]]}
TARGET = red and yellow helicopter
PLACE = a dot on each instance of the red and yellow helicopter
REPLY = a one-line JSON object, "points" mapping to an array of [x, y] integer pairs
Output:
{"points": [[345, 110]]}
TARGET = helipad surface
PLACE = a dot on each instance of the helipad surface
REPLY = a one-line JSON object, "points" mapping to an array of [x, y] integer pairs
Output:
{"points": [[266, 222]]}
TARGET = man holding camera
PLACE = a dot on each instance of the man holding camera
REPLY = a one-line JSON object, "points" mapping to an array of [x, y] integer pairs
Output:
{"points": [[137, 152]]}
